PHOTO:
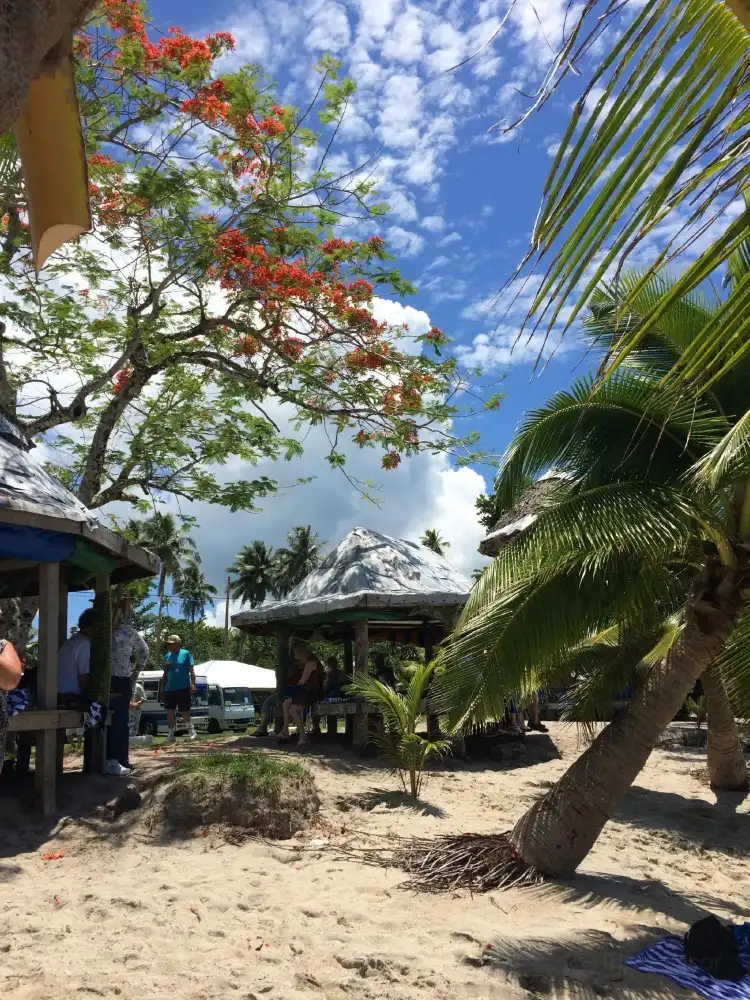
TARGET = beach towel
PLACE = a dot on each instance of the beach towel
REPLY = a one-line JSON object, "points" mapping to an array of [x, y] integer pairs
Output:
{"points": [[667, 958]]}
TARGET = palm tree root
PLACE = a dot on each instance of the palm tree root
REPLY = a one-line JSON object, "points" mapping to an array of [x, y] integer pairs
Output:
{"points": [[477, 862]]}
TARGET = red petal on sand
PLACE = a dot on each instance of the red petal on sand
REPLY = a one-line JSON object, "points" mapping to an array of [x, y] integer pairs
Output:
{"points": [[55, 856]]}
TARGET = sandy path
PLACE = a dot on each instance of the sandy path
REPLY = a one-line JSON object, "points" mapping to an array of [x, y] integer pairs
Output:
{"points": [[122, 915]]}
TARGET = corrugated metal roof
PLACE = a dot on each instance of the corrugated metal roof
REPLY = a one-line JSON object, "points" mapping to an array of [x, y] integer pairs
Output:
{"points": [[369, 570], [25, 484]]}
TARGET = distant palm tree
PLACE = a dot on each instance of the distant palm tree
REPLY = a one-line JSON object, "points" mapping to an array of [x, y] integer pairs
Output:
{"points": [[194, 592], [255, 570], [170, 540], [433, 540], [302, 555]]}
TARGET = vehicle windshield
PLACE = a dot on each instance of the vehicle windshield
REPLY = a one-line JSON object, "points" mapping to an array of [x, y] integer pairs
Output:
{"points": [[200, 695], [234, 697]]}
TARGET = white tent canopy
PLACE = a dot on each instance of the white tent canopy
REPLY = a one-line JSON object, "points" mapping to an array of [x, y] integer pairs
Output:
{"points": [[232, 673], [369, 570]]}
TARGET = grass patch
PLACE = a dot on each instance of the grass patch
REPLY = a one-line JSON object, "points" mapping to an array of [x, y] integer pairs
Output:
{"points": [[246, 794], [258, 768]]}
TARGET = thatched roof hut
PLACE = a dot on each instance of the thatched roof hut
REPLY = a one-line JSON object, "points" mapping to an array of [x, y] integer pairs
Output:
{"points": [[394, 583], [42, 521], [369, 588], [522, 516]]}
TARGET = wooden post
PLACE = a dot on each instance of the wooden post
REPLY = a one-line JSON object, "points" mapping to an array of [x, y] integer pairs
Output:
{"points": [[226, 620], [62, 613], [361, 653], [282, 671], [95, 746], [433, 721], [46, 740]]}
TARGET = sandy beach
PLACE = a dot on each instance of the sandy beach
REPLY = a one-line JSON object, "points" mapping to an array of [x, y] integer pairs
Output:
{"points": [[124, 913]]}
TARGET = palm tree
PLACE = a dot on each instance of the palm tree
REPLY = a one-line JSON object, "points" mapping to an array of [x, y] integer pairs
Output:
{"points": [[434, 541], [645, 149], [405, 751], [302, 555], [655, 516], [170, 540], [255, 571], [195, 594]]}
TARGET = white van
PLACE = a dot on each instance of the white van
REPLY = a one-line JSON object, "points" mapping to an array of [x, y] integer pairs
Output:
{"points": [[233, 690], [230, 708], [153, 712]]}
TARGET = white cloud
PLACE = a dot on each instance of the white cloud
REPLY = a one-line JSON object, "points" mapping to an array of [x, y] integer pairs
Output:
{"points": [[435, 223], [397, 314], [328, 26], [404, 44], [405, 242], [424, 492], [506, 346], [453, 237]]}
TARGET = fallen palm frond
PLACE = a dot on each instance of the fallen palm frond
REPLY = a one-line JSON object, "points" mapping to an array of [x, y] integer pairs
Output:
{"points": [[477, 862]]}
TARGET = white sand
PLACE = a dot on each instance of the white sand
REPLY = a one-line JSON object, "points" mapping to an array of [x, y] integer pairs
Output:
{"points": [[122, 915]]}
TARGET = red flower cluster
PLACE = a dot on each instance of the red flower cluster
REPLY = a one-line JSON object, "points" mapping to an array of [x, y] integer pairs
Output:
{"points": [[334, 245], [246, 346], [210, 103], [293, 347], [102, 160], [126, 16], [270, 126], [391, 460], [121, 379], [370, 360], [376, 242], [434, 335]]}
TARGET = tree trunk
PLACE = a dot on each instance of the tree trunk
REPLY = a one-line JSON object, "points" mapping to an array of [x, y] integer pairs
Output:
{"points": [[726, 761], [159, 612], [559, 830]]}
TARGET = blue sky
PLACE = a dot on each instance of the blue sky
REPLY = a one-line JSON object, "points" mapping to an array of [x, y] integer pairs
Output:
{"points": [[464, 200]]}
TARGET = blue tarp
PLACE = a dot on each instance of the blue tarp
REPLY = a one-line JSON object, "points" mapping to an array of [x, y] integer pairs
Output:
{"points": [[35, 544]]}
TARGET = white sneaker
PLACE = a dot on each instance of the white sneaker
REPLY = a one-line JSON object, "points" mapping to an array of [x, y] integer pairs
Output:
{"points": [[170, 739], [115, 767], [192, 733]]}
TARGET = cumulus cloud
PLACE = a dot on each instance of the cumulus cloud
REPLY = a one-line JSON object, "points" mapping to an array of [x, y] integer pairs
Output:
{"points": [[507, 346], [404, 242], [435, 223]]}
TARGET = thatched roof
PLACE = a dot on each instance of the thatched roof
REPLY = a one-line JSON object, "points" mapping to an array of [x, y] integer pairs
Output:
{"points": [[32, 500], [525, 512], [368, 570]]}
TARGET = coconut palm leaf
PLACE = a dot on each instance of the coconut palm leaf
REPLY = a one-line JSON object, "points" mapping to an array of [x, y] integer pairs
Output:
{"points": [[405, 751], [658, 138], [8, 158], [609, 432], [734, 664]]}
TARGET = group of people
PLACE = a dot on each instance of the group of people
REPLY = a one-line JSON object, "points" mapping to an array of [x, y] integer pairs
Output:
{"points": [[129, 656], [309, 681]]}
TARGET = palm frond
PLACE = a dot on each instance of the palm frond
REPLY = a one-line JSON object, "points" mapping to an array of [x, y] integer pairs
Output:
{"points": [[729, 459], [660, 137], [734, 664], [630, 424]]}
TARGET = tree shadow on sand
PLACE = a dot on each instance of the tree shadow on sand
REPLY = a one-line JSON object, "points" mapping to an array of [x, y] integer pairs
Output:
{"points": [[687, 823], [367, 801], [582, 966]]}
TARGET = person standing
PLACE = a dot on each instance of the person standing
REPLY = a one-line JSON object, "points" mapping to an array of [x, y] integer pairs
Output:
{"points": [[178, 684], [127, 646]]}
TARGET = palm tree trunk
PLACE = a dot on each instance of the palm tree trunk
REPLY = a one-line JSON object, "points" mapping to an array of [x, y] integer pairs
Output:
{"points": [[159, 611], [726, 761], [558, 831]]}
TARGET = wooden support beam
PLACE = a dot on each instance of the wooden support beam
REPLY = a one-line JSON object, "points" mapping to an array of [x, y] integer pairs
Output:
{"points": [[282, 672], [361, 657], [62, 613], [46, 740], [348, 656], [433, 722]]}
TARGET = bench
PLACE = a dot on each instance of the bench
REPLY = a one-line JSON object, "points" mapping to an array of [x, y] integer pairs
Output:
{"points": [[50, 726]]}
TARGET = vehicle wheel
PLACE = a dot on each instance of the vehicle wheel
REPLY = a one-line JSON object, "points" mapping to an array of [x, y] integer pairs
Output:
{"points": [[213, 726]]}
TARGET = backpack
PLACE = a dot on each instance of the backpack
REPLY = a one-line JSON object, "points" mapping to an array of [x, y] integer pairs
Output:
{"points": [[712, 947]]}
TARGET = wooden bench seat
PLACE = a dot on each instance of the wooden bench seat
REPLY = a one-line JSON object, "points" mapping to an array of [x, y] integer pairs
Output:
{"points": [[50, 726]]}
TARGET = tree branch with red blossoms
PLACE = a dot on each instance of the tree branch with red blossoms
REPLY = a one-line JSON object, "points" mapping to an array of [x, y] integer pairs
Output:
{"points": [[214, 286]]}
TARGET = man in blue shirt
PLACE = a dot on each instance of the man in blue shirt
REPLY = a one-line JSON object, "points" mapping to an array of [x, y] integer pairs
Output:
{"points": [[178, 684]]}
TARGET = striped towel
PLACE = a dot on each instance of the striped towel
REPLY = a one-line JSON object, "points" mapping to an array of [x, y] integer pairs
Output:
{"points": [[667, 958]]}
